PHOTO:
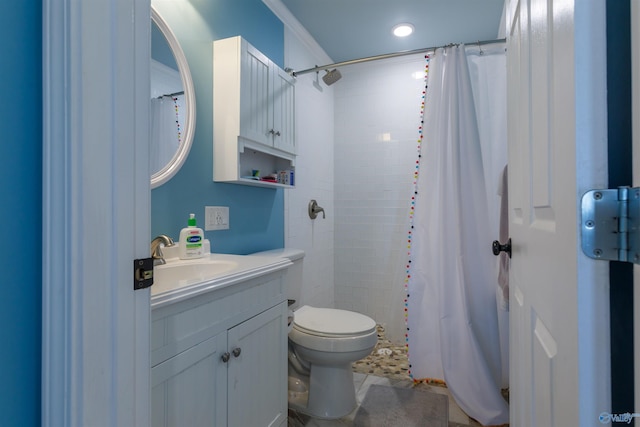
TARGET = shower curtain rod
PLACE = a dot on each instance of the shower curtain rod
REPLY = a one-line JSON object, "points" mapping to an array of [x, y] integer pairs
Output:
{"points": [[385, 56], [171, 94]]}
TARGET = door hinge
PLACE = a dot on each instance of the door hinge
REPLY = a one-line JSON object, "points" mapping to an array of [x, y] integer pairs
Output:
{"points": [[610, 220], [142, 273]]}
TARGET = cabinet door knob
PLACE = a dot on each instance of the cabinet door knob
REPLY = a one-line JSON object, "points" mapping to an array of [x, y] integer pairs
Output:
{"points": [[225, 357], [236, 352]]}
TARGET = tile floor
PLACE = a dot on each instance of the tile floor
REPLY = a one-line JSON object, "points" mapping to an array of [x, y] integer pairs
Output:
{"points": [[387, 365], [362, 382]]}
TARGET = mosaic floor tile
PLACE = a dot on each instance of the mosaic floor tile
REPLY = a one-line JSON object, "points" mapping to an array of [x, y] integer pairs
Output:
{"points": [[387, 364], [390, 361], [386, 360]]}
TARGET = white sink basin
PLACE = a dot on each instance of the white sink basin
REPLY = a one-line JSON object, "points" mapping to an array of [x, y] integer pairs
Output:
{"points": [[176, 274], [180, 279]]}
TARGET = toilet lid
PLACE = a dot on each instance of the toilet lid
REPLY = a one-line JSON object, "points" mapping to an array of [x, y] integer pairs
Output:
{"points": [[331, 321]]}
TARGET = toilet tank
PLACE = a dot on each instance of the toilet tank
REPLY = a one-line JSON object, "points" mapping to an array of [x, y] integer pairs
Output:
{"points": [[293, 278]]}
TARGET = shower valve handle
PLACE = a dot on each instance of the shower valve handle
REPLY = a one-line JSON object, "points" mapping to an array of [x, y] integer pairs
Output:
{"points": [[497, 247]]}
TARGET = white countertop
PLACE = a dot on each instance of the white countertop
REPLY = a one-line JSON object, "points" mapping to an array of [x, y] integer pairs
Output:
{"points": [[212, 272]]}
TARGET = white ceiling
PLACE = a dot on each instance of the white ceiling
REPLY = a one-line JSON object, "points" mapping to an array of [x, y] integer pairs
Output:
{"points": [[350, 29]]}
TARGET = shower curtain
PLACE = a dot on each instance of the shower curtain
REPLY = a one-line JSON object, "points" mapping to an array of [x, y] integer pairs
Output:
{"points": [[166, 130], [453, 330]]}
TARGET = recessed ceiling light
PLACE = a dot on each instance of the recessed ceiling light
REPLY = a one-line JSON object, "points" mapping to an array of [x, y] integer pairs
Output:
{"points": [[403, 30]]}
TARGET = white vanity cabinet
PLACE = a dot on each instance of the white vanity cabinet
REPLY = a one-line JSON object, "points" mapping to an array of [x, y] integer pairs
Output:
{"points": [[190, 388], [220, 358], [253, 113]]}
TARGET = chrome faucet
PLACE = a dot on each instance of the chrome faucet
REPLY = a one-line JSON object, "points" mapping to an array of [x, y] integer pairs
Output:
{"points": [[156, 248]]}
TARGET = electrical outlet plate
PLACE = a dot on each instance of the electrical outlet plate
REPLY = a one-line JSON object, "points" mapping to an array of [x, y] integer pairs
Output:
{"points": [[216, 218]]}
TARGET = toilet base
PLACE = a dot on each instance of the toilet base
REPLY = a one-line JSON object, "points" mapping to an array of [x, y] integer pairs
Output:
{"points": [[331, 392]]}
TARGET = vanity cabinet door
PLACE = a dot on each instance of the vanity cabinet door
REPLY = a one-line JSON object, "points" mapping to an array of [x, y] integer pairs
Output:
{"points": [[257, 382], [190, 389]]}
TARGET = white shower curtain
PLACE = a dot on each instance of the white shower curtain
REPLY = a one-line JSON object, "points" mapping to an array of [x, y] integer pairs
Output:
{"points": [[166, 128], [488, 72], [452, 319]]}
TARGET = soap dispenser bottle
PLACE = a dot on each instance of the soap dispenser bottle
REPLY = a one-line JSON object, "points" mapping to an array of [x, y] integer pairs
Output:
{"points": [[191, 240]]}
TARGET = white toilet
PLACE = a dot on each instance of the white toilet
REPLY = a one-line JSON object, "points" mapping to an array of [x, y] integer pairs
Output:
{"points": [[323, 343]]}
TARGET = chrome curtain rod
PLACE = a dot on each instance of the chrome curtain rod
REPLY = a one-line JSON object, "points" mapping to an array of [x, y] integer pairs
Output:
{"points": [[172, 94], [386, 56]]}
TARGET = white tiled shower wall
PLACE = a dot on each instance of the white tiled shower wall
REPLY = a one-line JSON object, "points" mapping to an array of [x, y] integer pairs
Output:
{"points": [[314, 174], [377, 120], [357, 148]]}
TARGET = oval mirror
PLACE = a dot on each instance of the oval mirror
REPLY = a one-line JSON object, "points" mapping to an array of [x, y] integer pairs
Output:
{"points": [[173, 106]]}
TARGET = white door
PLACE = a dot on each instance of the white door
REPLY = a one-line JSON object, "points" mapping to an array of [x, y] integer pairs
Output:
{"points": [[256, 113], [96, 212], [559, 300], [283, 110]]}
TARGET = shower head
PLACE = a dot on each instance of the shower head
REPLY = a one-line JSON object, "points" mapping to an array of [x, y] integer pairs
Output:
{"points": [[331, 77]]}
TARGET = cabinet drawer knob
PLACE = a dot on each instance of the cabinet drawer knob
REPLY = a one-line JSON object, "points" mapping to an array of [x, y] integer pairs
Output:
{"points": [[225, 357], [236, 352]]}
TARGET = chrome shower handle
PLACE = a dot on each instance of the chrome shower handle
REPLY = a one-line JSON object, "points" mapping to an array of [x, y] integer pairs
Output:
{"points": [[314, 210]]}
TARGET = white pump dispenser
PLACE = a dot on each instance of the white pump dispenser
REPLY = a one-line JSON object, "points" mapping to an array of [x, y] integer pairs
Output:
{"points": [[191, 240]]}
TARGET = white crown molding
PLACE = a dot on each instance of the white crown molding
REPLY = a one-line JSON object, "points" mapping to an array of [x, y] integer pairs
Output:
{"points": [[287, 18]]}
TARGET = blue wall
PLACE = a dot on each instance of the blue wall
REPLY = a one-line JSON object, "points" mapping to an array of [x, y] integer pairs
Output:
{"points": [[160, 49], [256, 214], [20, 206]]}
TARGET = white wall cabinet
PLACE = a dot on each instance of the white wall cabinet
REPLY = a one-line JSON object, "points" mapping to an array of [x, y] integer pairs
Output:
{"points": [[219, 359], [253, 114]]}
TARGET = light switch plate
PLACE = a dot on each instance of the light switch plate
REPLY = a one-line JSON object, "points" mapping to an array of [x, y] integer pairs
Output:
{"points": [[217, 218]]}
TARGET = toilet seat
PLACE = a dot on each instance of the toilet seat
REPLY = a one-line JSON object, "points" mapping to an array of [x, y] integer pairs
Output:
{"points": [[331, 322], [332, 330]]}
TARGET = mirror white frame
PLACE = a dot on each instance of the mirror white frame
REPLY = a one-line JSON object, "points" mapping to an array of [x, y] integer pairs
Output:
{"points": [[178, 159]]}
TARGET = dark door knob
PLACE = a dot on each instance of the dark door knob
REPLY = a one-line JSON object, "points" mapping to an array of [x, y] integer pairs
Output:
{"points": [[497, 248]]}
